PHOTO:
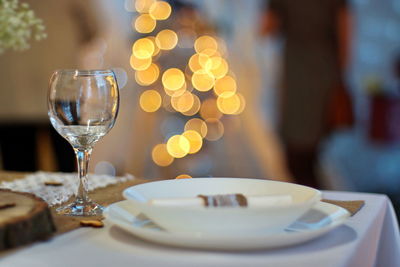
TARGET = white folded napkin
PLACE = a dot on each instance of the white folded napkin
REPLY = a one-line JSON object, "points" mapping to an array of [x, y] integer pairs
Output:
{"points": [[252, 201]]}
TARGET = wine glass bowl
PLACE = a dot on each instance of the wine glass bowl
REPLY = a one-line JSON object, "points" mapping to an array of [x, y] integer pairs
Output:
{"points": [[83, 106]]}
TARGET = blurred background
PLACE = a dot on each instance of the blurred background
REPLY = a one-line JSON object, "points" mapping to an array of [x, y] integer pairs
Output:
{"points": [[300, 91]]}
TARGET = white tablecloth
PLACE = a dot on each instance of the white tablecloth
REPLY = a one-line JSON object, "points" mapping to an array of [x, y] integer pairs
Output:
{"points": [[370, 238]]}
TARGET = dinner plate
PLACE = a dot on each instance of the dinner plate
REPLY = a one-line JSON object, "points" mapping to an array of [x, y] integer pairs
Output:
{"points": [[322, 218]]}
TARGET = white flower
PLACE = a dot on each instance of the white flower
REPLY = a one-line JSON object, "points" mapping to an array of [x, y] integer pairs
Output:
{"points": [[18, 24]]}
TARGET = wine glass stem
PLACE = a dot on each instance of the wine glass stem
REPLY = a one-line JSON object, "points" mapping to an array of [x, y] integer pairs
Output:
{"points": [[83, 157]]}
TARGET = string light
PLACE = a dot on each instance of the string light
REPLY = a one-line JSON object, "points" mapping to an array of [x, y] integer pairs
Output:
{"points": [[161, 156], [178, 146], [144, 23], [150, 100], [206, 70], [160, 10], [166, 39]]}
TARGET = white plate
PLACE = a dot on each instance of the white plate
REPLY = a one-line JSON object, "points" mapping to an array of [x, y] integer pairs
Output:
{"points": [[322, 218], [224, 219]]}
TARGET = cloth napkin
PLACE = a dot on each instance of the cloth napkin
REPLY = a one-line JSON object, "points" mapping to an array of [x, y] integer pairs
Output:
{"points": [[36, 184]]}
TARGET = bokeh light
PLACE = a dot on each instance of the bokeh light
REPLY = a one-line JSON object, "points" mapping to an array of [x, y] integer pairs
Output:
{"points": [[213, 63], [215, 129], [173, 79], [156, 48], [221, 70], [242, 104], [195, 107], [206, 44], [209, 109], [143, 48], [150, 100], [196, 61], [166, 39], [160, 10], [195, 140], [228, 105], [225, 87], [143, 6], [202, 80], [197, 125], [183, 176], [144, 23], [178, 92], [178, 146], [147, 76], [139, 63], [182, 103], [161, 156]]}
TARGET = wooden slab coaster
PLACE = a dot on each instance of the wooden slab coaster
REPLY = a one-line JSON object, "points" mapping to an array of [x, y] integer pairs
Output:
{"points": [[352, 206], [24, 218]]}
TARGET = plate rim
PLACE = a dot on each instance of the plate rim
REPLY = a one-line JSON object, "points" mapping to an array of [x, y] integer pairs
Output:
{"points": [[260, 240]]}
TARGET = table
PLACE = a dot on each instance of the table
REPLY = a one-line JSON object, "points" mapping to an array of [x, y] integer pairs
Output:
{"points": [[370, 238]]}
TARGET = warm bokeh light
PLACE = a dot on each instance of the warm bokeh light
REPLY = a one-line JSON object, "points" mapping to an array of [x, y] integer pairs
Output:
{"points": [[196, 61], [166, 39], [209, 109], [145, 23], [147, 76], [160, 10], [173, 79], [182, 103], [195, 140], [221, 70], [178, 146], [202, 80], [195, 107], [183, 176], [206, 44], [156, 48], [197, 125], [242, 104], [150, 100], [228, 105], [161, 156], [215, 129], [143, 6], [213, 63], [225, 87], [166, 103], [143, 48], [139, 63], [176, 93]]}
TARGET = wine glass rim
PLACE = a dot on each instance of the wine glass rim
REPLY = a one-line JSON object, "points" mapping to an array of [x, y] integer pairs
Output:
{"points": [[85, 71]]}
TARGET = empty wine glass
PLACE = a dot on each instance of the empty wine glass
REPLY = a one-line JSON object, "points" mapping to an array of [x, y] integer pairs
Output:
{"points": [[82, 106]]}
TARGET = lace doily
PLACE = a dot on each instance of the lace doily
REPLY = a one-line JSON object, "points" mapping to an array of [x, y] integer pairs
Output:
{"points": [[53, 195]]}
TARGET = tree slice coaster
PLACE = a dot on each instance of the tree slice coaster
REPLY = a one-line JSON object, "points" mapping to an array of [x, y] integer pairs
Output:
{"points": [[24, 218]]}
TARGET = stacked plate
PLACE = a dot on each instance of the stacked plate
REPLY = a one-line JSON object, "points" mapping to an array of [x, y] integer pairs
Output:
{"points": [[165, 212]]}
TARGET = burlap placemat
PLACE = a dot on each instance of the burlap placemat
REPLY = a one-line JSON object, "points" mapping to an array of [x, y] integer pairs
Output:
{"points": [[113, 193], [104, 196]]}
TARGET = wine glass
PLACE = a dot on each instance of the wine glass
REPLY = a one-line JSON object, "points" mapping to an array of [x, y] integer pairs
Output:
{"points": [[83, 106]]}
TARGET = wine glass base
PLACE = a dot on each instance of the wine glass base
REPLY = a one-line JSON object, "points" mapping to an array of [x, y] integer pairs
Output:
{"points": [[81, 208]]}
